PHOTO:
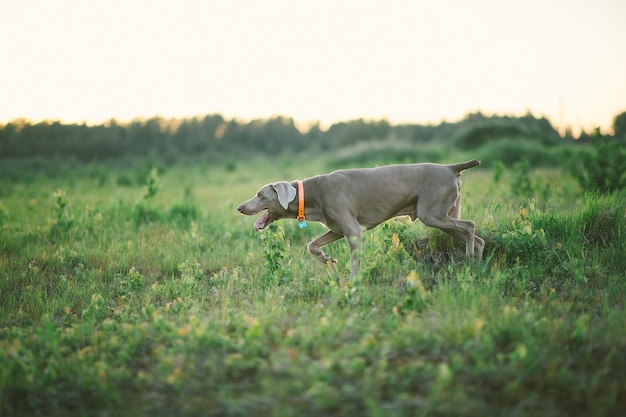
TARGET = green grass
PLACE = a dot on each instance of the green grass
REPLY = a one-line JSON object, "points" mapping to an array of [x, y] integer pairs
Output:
{"points": [[115, 299]]}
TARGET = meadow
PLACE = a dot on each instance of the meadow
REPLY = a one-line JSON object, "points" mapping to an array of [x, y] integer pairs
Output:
{"points": [[144, 292]]}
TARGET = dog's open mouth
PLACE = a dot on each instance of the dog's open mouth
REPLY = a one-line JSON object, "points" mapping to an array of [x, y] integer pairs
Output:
{"points": [[262, 222]]}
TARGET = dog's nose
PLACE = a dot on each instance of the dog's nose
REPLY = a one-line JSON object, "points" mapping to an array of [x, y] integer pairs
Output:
{"points": [[240, 208]]}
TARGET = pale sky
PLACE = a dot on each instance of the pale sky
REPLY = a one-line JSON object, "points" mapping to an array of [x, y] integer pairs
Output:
{"points": [[420, 61]]}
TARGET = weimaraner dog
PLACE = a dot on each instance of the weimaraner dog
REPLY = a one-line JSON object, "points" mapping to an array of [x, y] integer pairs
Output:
{"points": [[352, 200]]}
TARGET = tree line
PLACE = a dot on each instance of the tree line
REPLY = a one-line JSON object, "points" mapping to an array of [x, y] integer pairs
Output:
{"points": [[214, 137]]}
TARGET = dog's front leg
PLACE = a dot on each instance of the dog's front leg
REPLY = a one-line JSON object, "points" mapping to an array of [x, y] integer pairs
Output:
{"points": [[315, 245]]}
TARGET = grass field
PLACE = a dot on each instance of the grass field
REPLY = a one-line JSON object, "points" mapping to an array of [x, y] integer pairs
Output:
{"points": [[124, 299]]}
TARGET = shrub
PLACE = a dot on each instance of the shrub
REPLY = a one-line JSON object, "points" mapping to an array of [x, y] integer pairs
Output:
{"points": [[153, 184], [231, 166], [523, 240], [63, 221], [385, 152], [183, 214], [124, 180], [603, 220], [130, 282], [388, 249], [604, 169], [478, 136], [511, 150], [144, 214], [274, 245], [521, 183], [190, 272]]}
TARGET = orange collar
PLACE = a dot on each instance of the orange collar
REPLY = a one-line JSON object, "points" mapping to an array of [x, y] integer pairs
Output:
{"points": [[300, 201]]}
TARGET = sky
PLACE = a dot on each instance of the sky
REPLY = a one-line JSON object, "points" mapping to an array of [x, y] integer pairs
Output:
{"points": [[415, 61]]}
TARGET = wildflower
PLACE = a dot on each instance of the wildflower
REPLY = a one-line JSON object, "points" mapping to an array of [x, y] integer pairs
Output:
{"points": [[395, 241], [184, 331], [175, 377], [414, 283], [523, 213], [478, 325], [58, 193], [251, 321]]}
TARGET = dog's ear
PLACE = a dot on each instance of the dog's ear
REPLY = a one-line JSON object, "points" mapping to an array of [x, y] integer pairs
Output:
{"points": [[286, 193]]}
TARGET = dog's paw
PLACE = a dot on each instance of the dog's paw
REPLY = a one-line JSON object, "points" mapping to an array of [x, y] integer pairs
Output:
{"points": [[332, 263]]}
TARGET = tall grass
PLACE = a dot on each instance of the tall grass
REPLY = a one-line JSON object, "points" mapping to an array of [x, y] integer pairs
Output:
{"points": [[113, 303]]}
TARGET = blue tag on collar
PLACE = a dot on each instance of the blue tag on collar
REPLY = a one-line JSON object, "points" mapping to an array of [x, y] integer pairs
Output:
{"points": [[302, 224]]}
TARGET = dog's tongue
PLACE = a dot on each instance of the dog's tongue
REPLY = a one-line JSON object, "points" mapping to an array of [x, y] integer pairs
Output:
{"points": [[261, 223]]}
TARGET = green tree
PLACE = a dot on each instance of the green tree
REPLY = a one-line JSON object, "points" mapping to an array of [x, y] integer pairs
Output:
{"points": [[619, 125]]}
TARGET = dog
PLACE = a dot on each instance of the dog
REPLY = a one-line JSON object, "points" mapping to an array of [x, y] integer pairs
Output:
{"points": [[352, 200]]}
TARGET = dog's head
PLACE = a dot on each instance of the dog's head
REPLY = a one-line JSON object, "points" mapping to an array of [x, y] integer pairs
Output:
{"points": [[274, 198]]}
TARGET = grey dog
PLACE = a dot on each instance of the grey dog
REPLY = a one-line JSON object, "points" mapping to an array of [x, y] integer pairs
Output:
{"points": [[352, 200]]}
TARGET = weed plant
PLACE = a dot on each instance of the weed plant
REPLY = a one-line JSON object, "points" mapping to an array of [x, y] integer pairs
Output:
{"points": [[190, 312]]}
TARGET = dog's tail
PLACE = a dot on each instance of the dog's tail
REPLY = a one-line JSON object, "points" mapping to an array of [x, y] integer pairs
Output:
{"points": [[457, 168]]}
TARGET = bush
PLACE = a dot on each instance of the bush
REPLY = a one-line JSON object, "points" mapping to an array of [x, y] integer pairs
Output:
{"points": [[385, 152], [274, 245], [124, 180], [144, 214], [521, 181], [523, 240], [603, 220], [478, 136], [63, 221], [153, 184], [604, 169], [183, 214], [510, 151]]}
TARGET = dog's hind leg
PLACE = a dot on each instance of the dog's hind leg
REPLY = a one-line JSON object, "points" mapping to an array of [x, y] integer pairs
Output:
{"points": [[441, 209]]}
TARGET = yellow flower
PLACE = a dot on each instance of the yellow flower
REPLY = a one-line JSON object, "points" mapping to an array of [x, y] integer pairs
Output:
{"points": [[175, 376], [395, 241], [523, 213], [251, 321], [414, 283], [184, 331], [412, 278], [59, 193], [478, 325]]}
